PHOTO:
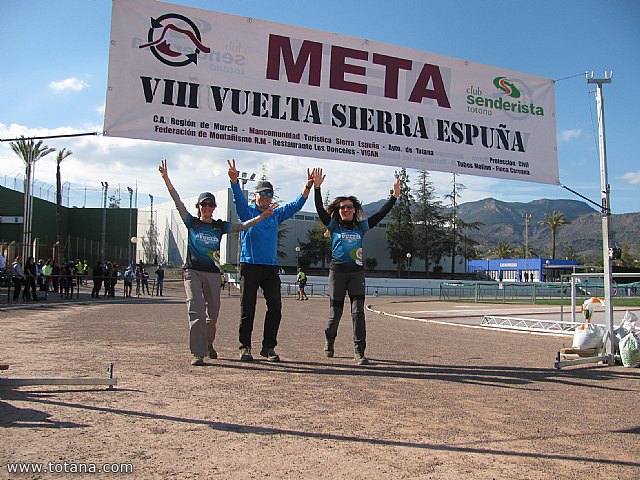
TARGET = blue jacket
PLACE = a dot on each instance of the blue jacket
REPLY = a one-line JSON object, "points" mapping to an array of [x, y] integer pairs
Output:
{"points": [[260, 242]]}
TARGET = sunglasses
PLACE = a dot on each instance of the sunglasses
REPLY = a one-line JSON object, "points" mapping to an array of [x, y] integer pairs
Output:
{"points": [[208, 204], [346, 207], [268, 193]]}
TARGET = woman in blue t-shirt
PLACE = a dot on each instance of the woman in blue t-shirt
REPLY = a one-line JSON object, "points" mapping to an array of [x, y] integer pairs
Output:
{"points": [[202, 267], [346, 223]]}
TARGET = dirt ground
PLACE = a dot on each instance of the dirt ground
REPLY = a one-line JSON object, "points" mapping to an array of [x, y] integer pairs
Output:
{"points": [[437, 402]]}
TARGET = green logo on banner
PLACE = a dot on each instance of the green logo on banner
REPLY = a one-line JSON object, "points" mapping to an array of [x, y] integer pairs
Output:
{"points": [[503, 83]]}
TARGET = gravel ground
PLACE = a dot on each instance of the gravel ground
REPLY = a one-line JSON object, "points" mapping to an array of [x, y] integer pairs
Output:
{"points": [[438, 401]]}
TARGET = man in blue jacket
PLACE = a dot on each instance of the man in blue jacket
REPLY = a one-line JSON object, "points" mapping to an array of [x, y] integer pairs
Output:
{"points": [[259, 261]]}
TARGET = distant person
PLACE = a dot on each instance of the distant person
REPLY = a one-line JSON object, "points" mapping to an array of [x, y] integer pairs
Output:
{"points": [[202, 266], [259, 261], [302, 283], [98, 274], [159, 273], [345, 220], [18, 277], [144, 275], [30, 271], [128, 278]]}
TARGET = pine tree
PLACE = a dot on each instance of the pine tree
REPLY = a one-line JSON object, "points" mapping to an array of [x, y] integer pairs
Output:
{"points": [[428, 222], [458, 243], [400, 229]]}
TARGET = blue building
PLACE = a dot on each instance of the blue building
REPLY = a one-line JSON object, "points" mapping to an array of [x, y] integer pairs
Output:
{"points": [[523, 269]]}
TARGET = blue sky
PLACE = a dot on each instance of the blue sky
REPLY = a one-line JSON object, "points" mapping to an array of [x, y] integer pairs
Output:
{"points": [[54, 59]]}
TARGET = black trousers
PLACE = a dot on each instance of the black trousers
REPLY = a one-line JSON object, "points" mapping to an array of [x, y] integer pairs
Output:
{"points": [[353, 283], [253, 277], [17, 287]]}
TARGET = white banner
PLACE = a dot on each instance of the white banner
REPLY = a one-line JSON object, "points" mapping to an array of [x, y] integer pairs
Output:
{"points": [[184, 75]]}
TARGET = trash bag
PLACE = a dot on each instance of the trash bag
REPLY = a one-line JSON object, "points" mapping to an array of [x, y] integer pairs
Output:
{"points": [[627, 325], [630, 350], [588, 335]]}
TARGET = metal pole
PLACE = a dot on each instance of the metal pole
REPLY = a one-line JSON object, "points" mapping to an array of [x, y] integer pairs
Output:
{"points": [[527, 217], [129, 243], [105, 187], [606, 211]]}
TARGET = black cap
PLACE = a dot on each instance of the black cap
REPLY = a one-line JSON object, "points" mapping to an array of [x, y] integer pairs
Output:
{"points": [[205, 196], [263, 186]]}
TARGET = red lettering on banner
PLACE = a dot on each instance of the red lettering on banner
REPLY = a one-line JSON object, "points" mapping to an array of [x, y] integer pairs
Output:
{"points": [[429, 83], [310, 53]]}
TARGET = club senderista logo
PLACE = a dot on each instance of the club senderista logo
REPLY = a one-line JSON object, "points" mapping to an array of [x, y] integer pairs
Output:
{"points": [[171, 36], [507, 86]]}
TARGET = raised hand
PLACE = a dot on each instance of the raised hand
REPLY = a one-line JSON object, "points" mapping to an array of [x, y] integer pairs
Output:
{"points": [[163, 169], [233, 172], [318, 178], [396, 188]]}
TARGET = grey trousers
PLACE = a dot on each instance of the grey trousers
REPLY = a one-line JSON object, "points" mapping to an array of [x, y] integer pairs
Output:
{"points": [[203, 306], [353, 283]]}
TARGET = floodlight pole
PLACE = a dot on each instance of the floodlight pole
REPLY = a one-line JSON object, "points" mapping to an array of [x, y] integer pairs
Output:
{"points": [[606, 211]]}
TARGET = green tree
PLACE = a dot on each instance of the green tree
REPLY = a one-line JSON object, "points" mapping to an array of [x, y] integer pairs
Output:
{"points": [[114, 201], [522, 251], [456, 239], [371, 263], [428, 222], [61, 155], [29, 152], [317, 249], [505, 250], [400, 228], [554, 220]]}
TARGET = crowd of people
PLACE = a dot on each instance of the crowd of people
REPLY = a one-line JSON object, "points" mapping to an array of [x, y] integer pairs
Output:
{"points": [[34, 281]]}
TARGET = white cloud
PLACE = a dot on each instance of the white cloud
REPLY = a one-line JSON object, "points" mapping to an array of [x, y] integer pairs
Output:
{"points": [[567, 135], [68, 84], [632, 177], [100, 109]]}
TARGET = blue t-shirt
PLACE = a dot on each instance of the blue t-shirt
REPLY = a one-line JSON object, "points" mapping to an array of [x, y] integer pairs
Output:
{"points": [[203, 247], [346, 244]]}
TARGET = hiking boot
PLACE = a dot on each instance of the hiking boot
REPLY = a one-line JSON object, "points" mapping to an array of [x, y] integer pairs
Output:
{"points": [[245, 354], [271, 354], [360, 358], [211, 352], [328, 348], [197, 361]]}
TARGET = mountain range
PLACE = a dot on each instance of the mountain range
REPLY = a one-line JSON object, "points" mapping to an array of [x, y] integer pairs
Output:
{"points": [[504, 222]]}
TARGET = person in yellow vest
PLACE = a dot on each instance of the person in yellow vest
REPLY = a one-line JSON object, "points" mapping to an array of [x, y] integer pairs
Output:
{"points": [[302, 282]]}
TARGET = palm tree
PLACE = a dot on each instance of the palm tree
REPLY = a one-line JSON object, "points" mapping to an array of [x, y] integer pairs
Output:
{"points": [[554, 220], [30, 152], [62, 154], [505, 250]]}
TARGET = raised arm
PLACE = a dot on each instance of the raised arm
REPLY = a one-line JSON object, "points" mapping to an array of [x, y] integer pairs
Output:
{"points": [[386, 208], [309, 185], [240, 202], [318, 178], [182, 210], [239, 227]]}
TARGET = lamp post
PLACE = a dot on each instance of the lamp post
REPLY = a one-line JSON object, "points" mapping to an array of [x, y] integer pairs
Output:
{"points": [[297, 258], [408, 264], [527, 218], [105, 188], [152, 235], [134, 240], [130, 256]]}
